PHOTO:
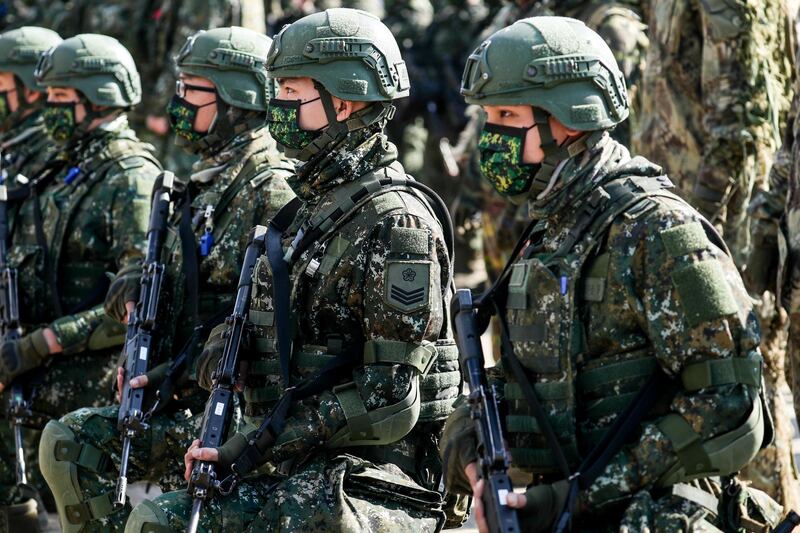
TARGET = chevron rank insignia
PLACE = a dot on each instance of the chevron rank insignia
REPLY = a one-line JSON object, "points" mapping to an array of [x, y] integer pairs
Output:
{"points": [[407, 285]]}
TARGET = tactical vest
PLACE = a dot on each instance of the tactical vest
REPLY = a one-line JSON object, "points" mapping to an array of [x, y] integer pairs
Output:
{"points": [[439, 382], [543, 315], [44, 296]]}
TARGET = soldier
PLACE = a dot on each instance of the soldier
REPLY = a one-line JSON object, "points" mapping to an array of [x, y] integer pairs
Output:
{"points": [[714, 97], [24, 143], [218, 110], [86, 216], [622, 314], [25, 148], [358, 317]]}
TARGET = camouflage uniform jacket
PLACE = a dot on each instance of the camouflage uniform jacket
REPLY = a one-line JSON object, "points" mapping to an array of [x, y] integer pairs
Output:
{"points": [[591, 319], [94, 214], [242, 183], [378, 285], [714, 99], [25, 148]]}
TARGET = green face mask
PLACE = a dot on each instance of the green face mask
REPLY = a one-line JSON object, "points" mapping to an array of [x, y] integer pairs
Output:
{"points": [[5, 111], [59, 120], [181, 118], [500, 150], [283, 117]]}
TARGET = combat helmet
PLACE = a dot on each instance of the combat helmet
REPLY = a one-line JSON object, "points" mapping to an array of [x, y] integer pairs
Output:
{"points": [[20, 50], [234, 59], [350, 54], [559, 67], [554, 63], [96, 65]]}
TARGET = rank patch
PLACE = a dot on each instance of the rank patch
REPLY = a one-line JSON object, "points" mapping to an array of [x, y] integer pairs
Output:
{"points": [[408, 285]]}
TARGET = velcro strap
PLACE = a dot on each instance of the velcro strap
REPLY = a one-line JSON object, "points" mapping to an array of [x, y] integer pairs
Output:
{"points": [[420, 356], [264, 367], [556, 390], [84, 455], [355, 412], [600, 377], [311, 360], [542, 458], [687, 444], [719, 372], [436, 409], [261, 318], [702, 498], [440, 380], [611, 405], [91, 509], [562, 424]]}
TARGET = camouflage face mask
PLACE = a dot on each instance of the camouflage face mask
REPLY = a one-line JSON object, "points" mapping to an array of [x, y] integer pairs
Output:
{"points": [[181, 118], [59, 120], [283, 117], [500, 150], [5, 110]]}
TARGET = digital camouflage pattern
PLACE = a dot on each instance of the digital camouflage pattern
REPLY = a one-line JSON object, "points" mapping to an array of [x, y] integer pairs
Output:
{"points": [[94, 225], [250, 166], [500, 152], [25, 148], [342, 303], [656, 292], [284, 124], [714, 99]]}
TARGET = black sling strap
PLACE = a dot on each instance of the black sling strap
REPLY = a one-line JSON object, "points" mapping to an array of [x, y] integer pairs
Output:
{"points": [[191, 270]]}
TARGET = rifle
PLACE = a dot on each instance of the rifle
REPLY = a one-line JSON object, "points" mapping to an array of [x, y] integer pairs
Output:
{"points": [[788, 524], [493, 457], [132, 420], [18, 406], [219, 407]]}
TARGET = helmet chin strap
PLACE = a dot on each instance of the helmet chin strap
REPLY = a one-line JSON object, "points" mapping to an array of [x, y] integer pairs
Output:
{"points": [[82, 128], [223, 127], [553, 152], [337, 131]]}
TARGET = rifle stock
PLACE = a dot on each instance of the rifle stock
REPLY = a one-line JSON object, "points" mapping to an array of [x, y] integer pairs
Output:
{"points": [[493, 457], [203, 481]]}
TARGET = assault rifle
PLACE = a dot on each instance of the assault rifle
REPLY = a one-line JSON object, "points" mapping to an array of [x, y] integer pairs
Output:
{"points": [[219, 407], [133, 420], [18, 406], [791, 521], [493, 457]]}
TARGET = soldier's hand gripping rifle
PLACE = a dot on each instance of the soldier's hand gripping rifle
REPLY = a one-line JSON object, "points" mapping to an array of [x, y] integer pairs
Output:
{"points": [[133, 420], [18, 405], [219, 407], [493, 457]]}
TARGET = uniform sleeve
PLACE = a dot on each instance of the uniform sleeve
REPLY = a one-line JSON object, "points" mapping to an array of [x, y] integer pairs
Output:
{"points": [[396, 291], [694, 309], [129, 213], [745, 75]]}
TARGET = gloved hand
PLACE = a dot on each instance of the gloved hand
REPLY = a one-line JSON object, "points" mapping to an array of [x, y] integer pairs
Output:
{"points": [[21, 355], [124, 288], [540, 506], [212, 353], [458, 448]]}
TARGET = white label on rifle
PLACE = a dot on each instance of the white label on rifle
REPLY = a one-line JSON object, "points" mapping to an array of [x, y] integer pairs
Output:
{"points": [[143, 353], [219, 408], [502, 496]]}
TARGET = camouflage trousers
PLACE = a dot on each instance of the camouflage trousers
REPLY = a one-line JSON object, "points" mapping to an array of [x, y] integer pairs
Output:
{"points": [[157, 456], [330, 493], [68, 383]]}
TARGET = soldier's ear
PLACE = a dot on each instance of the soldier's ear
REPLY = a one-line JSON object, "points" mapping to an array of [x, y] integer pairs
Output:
{"points": [[32, 96], [345, 108]]}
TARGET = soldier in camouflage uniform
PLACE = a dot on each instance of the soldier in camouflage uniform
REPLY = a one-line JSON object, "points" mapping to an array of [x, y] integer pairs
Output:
{"points": [[714, 97], [360, 316], [622, 295], [239, 182], [619, 23], [85, 216], [25, 148]]}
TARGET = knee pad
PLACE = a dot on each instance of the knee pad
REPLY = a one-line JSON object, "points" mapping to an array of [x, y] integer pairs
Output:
{"points": [[60, 454], [147, 517]]}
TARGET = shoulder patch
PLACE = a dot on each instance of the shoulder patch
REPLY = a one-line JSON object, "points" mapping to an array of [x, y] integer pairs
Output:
{"points": [[685, 238], [407, 285], [704, 292], [410, 241]]}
